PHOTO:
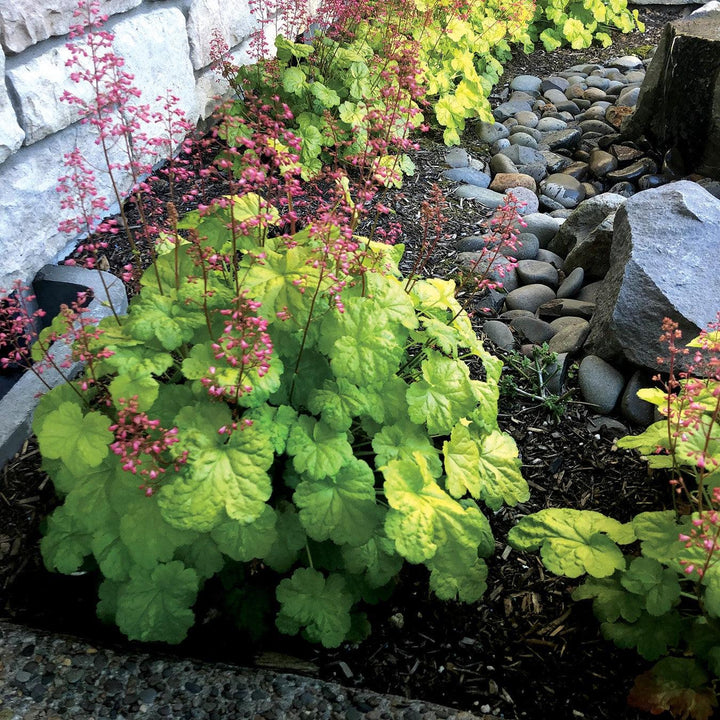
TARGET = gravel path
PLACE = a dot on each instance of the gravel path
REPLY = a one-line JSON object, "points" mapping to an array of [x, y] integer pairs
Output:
{"points": [[49, 677]]}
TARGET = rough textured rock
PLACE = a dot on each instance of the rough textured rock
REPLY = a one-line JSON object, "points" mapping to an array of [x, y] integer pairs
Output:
{"points": [[665, 262], [679, 103], [233, 21], [584, 221], [11, 134], [26, 22]]}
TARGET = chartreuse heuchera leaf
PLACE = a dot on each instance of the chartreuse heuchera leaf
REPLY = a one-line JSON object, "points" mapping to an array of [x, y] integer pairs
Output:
{"points": [[360, 443], [574, 542]]}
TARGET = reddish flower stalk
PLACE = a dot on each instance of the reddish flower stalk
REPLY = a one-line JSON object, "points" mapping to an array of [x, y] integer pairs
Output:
{"points": [[142, 445]]}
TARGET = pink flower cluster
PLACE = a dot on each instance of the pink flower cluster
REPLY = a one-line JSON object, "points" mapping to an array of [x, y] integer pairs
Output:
{"points": [[244, 346], [18, 326], [142, 445]]}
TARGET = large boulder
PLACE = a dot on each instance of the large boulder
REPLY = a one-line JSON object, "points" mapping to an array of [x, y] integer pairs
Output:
{"points": [[679, 104], [664, 262]]}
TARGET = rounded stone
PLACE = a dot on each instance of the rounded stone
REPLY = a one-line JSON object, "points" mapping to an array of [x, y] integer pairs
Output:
{"points": [[503, 181], [526, 83], [632, 407], [536, 271], [572, 283], [575, 91], [555, 96], [597, 82], [527, 118], [527, 200], [542, 226], [562, 139], [600, 383], [567, 321], [532, 329], [526, 247], [550, 124], [457, 158], [501, 163], [550, 257], [590, 292], [596, 126], [523, 139], [594, 94], [473, 243], [512, 314], [467, 175], [521, 155], [508, 109], [534, 134], [629, 96], [487, 198], [490, 132], [563, 189], [500, 334], [556, 373], [602, 162], [499, 145], [530, 297]]}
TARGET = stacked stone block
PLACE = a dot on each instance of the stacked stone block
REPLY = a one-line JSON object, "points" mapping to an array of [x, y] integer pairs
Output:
{"points": [[166, 46]]}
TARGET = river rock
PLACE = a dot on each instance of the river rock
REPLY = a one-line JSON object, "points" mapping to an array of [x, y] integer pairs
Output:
{"points": [[570, 339], [506, 110], [600, 383], [565, 307], [542, 226], [550, 124], [501, 163], [602, 162], [484, 196], [572, 283], [527, 119], [563, 189], [549, 257], [562, 139], [490, 132], [664, 262], [500, 334], [457, 158], [524, 139], [533, 329], [467, 175], [526, 199], [523, 155], [529, 297], [504, 181], [636, 410], [536, 271]]}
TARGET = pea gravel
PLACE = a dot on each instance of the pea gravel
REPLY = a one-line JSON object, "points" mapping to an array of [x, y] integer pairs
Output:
{"points": [[50, 677]]}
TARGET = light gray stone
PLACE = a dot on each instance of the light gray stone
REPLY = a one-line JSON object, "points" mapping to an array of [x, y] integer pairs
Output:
{"points": [[550, 257], [526, 83], [467, 175], [457, 157], [665, 262], [526, 247], [542, 226], [26, 22], [584, 220], [498, 269], [600, 383], [522, 155], [522, 138], [508, 109], [527, 201], [233, 21], [490, 132], [488, 198], [11, 134], [550, 124], [500, 163], [527, 119]]}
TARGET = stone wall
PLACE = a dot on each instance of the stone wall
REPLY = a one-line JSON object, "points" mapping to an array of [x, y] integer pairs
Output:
{"points": [[166, 46]]}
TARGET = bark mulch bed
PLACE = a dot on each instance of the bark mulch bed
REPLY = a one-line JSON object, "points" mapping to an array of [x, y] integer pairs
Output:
{"points": [[527, 650]]}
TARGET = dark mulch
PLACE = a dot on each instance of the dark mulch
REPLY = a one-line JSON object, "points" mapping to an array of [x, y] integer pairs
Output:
{"points": [[526, 651]]}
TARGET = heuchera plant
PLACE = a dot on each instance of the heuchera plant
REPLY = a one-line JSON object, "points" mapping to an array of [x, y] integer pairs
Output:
{"points": [[663, 600], [280, 399]]}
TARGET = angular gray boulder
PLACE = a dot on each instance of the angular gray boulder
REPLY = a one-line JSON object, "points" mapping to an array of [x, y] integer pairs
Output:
{"points": [[664, 262]]}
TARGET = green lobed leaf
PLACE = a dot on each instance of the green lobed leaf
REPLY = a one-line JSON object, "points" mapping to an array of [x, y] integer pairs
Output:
{"points": [[573, 542], [74, 438], [321, 606], [290, 539], [341, 508], [338, 401], [401, 441], [64, 546], [245, 542], [658, 532], [159, 317], [453, 579], [652, 637], [611, 601], [364, 344], [658, 586], [423, 518], [376, 560], [442, 396], [318, 449], [155, 604]]}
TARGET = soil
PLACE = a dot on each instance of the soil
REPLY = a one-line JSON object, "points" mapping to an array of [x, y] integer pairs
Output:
{"points": [[527, 650]]}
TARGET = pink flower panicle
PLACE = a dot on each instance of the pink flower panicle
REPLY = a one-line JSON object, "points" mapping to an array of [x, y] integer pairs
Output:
{"points": [[244, 346], [19, 321], [143, 445]]}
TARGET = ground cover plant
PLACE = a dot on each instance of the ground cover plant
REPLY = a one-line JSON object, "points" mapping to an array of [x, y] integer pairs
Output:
{"points": [[662, 601], [218, 256]]}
